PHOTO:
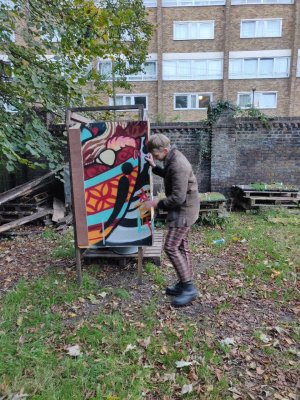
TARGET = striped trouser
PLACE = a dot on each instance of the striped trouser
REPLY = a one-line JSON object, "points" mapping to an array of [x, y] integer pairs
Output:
{"points": [[177, 249]]}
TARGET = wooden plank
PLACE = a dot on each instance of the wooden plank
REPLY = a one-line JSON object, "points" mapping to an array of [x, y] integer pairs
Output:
{"points": [[77, 180], [80, 118], [26, 188], [247, 188], [277, 205], [269, 194], [25, 220], [140, 265], [58, 210], [273, 198]]}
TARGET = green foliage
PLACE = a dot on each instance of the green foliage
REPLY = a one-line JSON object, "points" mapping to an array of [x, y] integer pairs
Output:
{"points": [[214, 111], [64, 243], [253, 112], [212, 196], [74, 33], [212, 218], [261, 186]]}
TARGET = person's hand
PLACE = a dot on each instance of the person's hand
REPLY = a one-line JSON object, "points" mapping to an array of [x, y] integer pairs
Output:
{"points": [[150, 160], [147, 205]]}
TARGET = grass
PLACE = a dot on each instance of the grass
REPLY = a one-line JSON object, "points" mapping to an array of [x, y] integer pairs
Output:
{"points": [[34, 340], [271, 247], [130, 350]]}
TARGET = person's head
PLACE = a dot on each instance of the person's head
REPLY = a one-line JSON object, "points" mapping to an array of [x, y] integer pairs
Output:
{"points": [[159, 146]]}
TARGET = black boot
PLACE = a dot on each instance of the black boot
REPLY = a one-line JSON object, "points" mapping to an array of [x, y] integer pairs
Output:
{"points": [[187, 295], [175, 289]]}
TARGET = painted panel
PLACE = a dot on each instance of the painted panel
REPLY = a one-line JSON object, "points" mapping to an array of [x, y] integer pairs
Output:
{"points": [[116, 181]]}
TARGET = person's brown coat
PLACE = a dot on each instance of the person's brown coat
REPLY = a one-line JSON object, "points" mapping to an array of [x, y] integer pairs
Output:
{"points": [[182, 197]]}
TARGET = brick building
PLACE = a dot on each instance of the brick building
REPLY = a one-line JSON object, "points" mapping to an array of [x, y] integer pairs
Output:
{"points": [[244, 51]]}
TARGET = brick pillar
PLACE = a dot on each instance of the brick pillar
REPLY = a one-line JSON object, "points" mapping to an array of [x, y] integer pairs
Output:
{"points": [[159, 45], [223, 153], [295, 45], [226, 47]]}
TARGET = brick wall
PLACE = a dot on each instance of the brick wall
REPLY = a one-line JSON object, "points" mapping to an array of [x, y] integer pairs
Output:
{"points": [[239, 151], [193, 140], [243, 151]]}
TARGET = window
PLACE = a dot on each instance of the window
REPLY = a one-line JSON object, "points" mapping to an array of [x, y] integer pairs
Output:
{"points": [[192, 101], [298, 65], [7, 4], [6, 73], [130, 100], [236, 2], [53, 37], [150, 3], [252, 28], [7, 107], [191, 30], [249, 68], [192, 69], [148, 72], [7, 36], [105, 69], [261, 99], [186, 3]]}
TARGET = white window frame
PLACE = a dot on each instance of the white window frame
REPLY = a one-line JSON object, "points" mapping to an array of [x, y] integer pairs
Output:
{"points": [[132, 97], [10, 35], [257, 21], [298, 65], [258, 75], [9, 108], [7, 4], [192, 3], [257, 96], [245, 2], [189, 100], [133, 77], [5, 59], [193, 75], [150, 3], [55, 39], [190, 26]]}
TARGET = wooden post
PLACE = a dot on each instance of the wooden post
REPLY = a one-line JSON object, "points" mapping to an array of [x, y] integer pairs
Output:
{"points": [[78, 265], [140, 265]]}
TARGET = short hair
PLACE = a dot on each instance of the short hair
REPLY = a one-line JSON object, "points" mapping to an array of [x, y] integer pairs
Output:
{"points": [[158, 141]]}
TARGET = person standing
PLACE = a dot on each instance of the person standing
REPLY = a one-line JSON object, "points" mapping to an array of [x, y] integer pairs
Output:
{"points": [[182, 204]]}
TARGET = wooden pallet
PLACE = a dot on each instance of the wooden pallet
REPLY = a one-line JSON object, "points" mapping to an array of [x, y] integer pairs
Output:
{"points": [[149, 252], [205, 207], [247, 198], [209, 206]]}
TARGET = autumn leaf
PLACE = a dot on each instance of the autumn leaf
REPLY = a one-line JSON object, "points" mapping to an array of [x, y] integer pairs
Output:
{"points": [[74, 351], [129, 347], [181, 364], [164, 350], [145, 343], [186, 389]]}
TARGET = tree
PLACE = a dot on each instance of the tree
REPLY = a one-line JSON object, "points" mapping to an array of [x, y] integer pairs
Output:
{"points": [[74, 33]]}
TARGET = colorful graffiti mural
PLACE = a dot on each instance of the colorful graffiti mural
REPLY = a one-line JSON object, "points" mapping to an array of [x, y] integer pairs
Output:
{"points": [[116, 182]]}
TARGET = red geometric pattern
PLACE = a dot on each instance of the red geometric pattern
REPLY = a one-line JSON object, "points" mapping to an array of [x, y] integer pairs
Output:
{"points": [[103, 196]]}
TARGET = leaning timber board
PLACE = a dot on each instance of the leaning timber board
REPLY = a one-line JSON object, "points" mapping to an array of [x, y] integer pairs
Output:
{"points": [[25, 220]]}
